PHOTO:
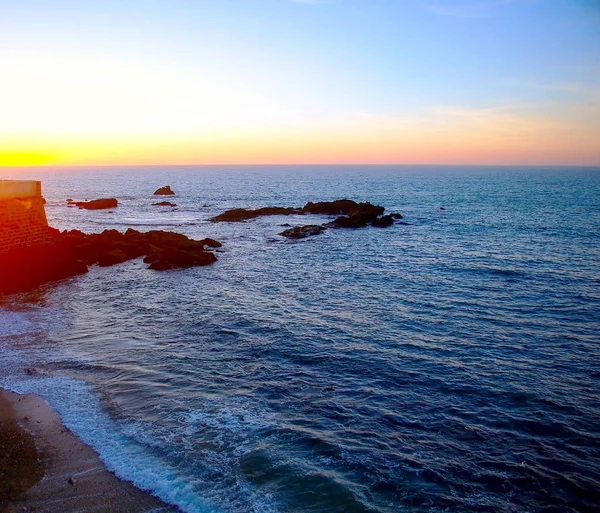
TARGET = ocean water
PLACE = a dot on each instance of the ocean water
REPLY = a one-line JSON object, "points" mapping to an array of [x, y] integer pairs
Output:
{"points": [[450, 363]]}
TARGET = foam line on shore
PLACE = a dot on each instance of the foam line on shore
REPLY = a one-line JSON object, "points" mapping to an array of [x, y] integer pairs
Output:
{"points": [[80, 411]]}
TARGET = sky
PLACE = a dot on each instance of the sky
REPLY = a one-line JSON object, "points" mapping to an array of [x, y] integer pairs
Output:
{"points": [[140, 82]]}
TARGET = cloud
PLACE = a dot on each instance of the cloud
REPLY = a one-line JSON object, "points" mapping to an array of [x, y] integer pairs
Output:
{"points": [[315, 2], [561, 87], [478, 9]]}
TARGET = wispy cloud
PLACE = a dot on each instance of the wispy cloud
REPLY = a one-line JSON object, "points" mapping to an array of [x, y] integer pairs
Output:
{"points": [[472, 9], [560, 87], [315, 2]]}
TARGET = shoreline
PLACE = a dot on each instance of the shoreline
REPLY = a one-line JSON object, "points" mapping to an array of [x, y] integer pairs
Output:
{"points": [[74, 477]]}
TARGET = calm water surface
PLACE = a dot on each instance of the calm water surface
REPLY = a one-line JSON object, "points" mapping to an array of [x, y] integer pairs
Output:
{"points": [[451, 363]]}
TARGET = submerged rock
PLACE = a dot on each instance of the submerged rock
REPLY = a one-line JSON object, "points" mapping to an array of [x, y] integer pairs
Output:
{"points": [[242, 214], [164, 191], [164, 204], [301, 232], [98, 204]]}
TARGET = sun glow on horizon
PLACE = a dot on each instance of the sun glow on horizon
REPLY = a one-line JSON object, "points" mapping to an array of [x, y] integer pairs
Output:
{"points": [[204, 102]]}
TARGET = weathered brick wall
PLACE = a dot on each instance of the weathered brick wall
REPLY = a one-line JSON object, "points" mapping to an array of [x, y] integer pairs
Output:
{"points": [[23, 223]]}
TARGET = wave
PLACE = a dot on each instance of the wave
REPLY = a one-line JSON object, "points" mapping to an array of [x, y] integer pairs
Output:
{"points": [[81, 412]]}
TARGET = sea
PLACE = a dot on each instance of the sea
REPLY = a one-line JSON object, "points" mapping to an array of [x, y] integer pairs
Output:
{"points": [[450, 362]]}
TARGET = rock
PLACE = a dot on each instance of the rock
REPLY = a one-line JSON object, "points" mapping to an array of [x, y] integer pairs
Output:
{"points": [[71, 481], [350, 215], [70, 200], [301, 232], [164, 204], [116, 256], [442, 208], [159, 265], [347, 222], [164, 191], [337, 207], [171, 258], [98, 204], [383, 221], [356, 215], [212, 243], [242, 214], [33, 266]]}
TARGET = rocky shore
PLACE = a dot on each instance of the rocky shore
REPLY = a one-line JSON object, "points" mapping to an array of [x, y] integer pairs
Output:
{"points": [[69, 253]]}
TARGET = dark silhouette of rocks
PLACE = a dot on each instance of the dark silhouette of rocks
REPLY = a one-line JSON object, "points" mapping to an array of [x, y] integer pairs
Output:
{"points": [[164, 204], [237, 215], [71, 252], [164, 191], [383, 221], [350, 215], [99, 204], [169, 249], [211, 243], [301, 232], [333, 208], [25, 269]]}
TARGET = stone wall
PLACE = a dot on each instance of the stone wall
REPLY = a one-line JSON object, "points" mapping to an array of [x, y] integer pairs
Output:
{"points": [[23, 220]]}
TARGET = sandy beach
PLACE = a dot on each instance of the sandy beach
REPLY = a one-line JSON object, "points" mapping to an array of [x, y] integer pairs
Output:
{"points": [[46, 468]]}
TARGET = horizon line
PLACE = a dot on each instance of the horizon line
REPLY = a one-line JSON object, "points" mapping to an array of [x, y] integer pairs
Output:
{"points": [[321, 164]]}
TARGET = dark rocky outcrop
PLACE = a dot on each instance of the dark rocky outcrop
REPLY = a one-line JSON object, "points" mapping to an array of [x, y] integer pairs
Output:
{"points": [[24, 269], [356, 215], [164, 204], [242, 214], [164, 191], [112, 247], [383, 221], [71, 252], [333, 208], [301, 232], [98, 204], [350, 215]]}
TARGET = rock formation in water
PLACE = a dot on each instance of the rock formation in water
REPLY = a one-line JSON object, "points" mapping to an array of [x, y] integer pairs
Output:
{"points": [[242, 214], [99, 204], [164, 191], [71, 252], [350, 215], [164, 204], [301, 232]]}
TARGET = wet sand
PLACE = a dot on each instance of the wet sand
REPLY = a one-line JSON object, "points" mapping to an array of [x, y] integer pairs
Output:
{"points": [[59, 472]]}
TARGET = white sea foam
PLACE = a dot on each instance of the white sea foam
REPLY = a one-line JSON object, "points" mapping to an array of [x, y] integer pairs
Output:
{"points": [[81, 412], [13, 323]]}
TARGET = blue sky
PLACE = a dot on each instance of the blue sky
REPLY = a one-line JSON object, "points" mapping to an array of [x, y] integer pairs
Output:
{"points": [[333, 63]]}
